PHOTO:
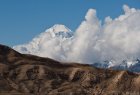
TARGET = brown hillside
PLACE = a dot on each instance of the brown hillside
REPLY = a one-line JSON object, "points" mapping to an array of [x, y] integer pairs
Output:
{"points": [[22, 74]]}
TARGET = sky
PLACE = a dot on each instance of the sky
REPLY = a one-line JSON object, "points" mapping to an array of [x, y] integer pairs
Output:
{"points": [[21, 20]]}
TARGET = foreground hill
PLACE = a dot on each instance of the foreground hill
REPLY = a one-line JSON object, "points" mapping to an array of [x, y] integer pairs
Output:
{"points": [[22, 74]]}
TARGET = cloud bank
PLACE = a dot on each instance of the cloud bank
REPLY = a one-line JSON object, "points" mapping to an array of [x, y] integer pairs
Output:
{"points": [[116, 39]]}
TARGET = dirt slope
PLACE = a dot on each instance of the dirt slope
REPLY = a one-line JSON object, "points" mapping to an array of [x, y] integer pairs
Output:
{"points": [[22, 74]]}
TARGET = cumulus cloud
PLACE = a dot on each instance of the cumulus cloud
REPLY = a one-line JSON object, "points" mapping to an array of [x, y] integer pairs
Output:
{"points": [[116, 39], [82, 48], [121, 36]]}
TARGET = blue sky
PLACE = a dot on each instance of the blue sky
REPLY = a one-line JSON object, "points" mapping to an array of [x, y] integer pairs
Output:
{"points": [[21, 20]]}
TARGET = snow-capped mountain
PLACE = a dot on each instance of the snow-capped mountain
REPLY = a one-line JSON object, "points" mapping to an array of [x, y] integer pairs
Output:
{"points": [[131, 65], [48, 43], [59, 30]]}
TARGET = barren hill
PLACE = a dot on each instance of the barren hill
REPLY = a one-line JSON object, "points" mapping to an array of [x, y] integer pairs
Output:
{"points": [[22, 74]]}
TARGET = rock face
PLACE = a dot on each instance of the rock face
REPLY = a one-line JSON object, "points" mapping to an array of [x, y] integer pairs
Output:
{"points": [[22, 74]]}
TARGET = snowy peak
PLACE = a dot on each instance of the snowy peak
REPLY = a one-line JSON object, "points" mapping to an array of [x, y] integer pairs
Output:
{"points": [[59, 30], [130, 65], [52, 38]]}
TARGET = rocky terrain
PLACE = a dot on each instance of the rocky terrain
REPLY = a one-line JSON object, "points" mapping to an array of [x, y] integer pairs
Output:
{"points": [[22, 74]]}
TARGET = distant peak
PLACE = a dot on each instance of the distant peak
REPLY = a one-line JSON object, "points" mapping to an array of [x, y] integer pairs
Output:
{"points": [[59, 28], [58, 25]]}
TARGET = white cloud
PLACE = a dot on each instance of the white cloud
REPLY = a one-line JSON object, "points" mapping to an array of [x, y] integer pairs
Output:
{"points": [[121, 36], [82, 48], [117, 39]]}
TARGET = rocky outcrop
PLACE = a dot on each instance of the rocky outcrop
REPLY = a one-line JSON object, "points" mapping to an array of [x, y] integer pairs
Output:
{"points": [[31, 75]]}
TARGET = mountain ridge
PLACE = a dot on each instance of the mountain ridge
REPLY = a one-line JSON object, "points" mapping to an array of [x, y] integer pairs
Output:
{"points": [[32, 75]]}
